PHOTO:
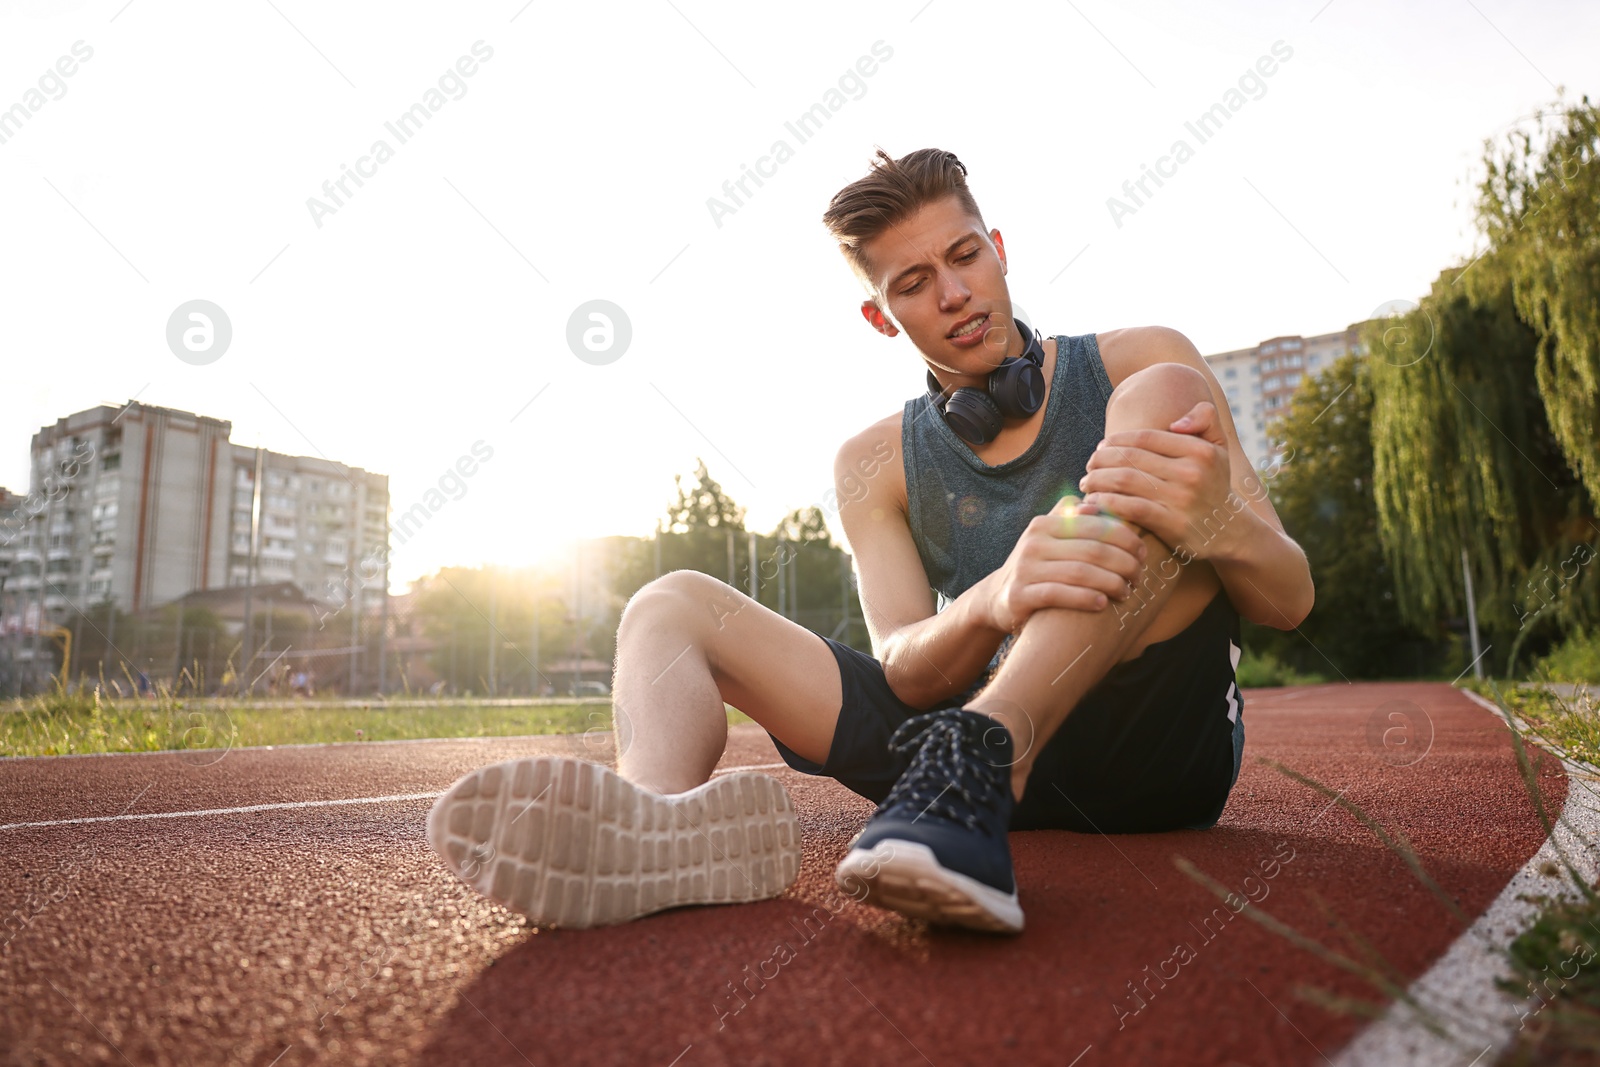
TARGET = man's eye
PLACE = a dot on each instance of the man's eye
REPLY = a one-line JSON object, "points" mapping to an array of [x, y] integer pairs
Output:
{"points": [[908, 292], [970, 255]]}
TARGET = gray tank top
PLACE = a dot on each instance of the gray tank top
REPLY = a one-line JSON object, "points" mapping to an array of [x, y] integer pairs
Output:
{"points": [[966, 515]]}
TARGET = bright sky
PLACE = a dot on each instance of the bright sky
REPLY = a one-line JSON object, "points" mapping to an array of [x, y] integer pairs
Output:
{"points": [[429, 311]]}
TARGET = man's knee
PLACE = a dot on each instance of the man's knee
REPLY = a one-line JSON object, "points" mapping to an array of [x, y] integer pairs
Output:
{"points": [[1155, 397], [678, 599]]}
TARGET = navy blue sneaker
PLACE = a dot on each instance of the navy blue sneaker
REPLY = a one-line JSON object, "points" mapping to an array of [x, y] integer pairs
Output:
{"points": [[936, 847]]}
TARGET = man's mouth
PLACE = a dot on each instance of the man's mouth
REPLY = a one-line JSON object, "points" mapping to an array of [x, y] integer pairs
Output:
{"points": [[976, 324]]}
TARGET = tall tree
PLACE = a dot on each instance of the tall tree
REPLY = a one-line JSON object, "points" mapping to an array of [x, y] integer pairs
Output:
{"points": [[1539, 207], [1463, 454], [704, 505], [799, 555], [694, 535], [1323, 493]]}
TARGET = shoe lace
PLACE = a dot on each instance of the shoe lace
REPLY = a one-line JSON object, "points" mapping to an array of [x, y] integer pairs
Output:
{"points": [[948, 765]]}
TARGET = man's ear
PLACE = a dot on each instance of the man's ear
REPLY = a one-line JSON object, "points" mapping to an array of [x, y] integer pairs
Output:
{"points": [[880, 322], [999, 249]]}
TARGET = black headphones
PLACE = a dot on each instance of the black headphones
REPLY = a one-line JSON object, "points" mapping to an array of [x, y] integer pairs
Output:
{"points": [[1015, 389]]}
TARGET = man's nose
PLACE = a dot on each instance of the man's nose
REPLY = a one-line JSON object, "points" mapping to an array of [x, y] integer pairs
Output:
{"points": [[952, 291]]}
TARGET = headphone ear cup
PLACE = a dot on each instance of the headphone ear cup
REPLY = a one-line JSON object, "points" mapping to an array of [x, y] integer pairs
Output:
{"points": [[973, 416], [1017, 387]]}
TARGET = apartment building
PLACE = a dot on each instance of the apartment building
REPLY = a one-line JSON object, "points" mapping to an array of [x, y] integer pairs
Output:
{"points": [[1259, 382], [140, 505]]}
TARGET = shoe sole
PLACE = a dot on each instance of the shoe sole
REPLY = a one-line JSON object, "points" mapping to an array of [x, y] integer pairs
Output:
{"points": [[906, 877], [571, 843]]}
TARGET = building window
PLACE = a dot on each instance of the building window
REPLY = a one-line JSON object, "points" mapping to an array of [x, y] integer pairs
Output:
{"points": [[1231, 372], [1292, 361], [1271, 383], [1292, 379]]}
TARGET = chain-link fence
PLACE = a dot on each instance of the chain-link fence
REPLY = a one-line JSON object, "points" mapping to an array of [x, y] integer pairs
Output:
{"points": [[496, 632]]}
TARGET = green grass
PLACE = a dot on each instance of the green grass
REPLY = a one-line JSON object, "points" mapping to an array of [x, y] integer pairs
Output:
{"points": [[1577, 659], [1571, 725], [1557, 960], [1263, 670], [62, 724]]}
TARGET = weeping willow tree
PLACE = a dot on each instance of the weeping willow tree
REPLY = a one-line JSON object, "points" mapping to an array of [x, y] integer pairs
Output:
{"points": [[1464, 457], [1323, 493], [1451, 380], [1539, 207], [1487, 403]]}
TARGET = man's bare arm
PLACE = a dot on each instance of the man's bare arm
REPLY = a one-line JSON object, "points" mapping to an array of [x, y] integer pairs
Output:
{"points": [[933, 659], [926, 657]]}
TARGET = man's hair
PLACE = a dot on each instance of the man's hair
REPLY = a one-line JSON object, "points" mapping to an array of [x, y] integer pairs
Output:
{"points": [[892, 191]]}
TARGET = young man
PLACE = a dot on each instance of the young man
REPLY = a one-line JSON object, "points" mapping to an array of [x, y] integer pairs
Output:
{"points": [[1079, 675]]}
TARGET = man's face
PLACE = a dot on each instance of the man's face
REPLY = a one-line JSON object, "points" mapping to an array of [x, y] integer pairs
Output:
{"points": [[937, 272]]}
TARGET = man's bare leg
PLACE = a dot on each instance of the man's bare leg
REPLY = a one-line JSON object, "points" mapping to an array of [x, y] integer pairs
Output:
{"points": [[689, 643], [1062, 653]]}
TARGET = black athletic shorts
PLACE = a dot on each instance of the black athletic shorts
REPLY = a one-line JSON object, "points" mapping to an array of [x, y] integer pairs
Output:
{"points": [[1156, 745]]}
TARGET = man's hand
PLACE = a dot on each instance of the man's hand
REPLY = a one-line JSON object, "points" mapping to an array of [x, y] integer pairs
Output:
{"points": [[1071, 557], [1167, 481]]}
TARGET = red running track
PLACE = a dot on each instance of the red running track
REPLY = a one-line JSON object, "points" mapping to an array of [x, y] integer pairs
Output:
{"points": [[331, 934]]}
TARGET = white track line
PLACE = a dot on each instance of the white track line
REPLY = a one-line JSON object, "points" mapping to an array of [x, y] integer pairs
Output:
{"points": [[753, 767], [1459, 988], [287, 805]]}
